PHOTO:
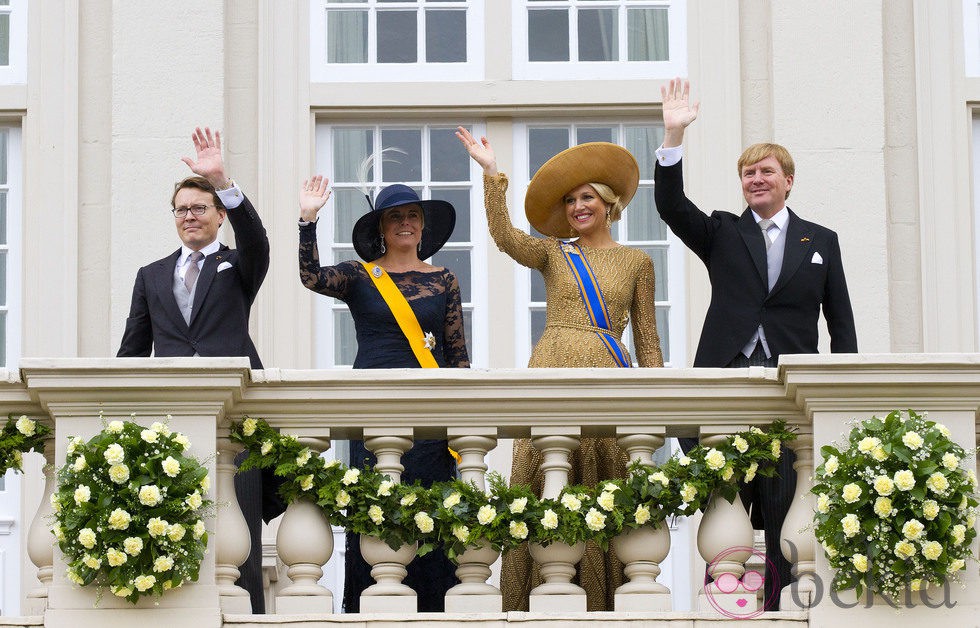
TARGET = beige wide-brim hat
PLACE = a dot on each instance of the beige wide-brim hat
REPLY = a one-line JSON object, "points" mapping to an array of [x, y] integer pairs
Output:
{"points": [[594, 162]]}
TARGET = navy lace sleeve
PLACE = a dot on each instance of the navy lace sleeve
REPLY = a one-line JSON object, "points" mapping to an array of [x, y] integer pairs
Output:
{"points": [[332, 281], [454, 339]]}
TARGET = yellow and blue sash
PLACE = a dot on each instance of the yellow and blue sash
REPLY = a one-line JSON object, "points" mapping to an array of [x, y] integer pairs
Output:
{"points": [[595, 305]]}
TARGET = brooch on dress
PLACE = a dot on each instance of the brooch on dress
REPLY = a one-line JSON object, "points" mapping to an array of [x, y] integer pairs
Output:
{"points": [[429, 340], [568, 248], [377, 272]]}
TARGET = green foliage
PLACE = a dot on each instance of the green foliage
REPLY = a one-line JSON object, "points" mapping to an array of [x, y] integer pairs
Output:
{"points": [[19, 436]]}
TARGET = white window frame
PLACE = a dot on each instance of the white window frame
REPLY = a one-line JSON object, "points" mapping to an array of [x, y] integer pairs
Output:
{"points": [[971, 37], [976, 211], [592, 70], [676, 259], [14, 189], [324, 308], [15, 73], [323, 72]]}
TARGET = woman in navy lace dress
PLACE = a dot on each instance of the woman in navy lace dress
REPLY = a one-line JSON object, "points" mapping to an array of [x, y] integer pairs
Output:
{"points": [[394, 238]]}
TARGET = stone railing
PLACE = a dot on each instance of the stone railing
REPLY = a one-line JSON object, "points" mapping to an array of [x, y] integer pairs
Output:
{"points": [[473, 409]]}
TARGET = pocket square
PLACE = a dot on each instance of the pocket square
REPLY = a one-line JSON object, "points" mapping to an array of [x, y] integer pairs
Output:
{"points": [[223, 266], [816, 259]]}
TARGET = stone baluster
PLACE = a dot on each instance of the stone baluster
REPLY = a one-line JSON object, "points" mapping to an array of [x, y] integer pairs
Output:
{"points": [[557, 561], [232, 542], [797, 544], [725, 539], [305, 543], [473, 594], [40, 541], [642, 549], [388, 567]]}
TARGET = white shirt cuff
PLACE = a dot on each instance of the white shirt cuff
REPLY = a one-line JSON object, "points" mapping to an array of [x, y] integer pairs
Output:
{"points": [[669, 156], [232, 197]]}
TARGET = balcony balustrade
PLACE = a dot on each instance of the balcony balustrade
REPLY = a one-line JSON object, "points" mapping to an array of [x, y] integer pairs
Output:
{"points": [[816, 395]]}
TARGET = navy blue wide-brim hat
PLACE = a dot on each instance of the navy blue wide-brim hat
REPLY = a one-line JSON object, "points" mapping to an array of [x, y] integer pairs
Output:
{"points": [[439, 222]]}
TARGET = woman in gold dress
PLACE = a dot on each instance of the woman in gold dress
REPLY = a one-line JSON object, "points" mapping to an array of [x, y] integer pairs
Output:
{"points": [[578, 193]]}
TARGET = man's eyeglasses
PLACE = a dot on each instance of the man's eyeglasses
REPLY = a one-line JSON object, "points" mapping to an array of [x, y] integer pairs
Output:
{"points": [[197, 210]]}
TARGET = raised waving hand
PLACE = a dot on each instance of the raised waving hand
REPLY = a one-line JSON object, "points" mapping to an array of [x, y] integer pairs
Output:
{"points": [[678, 110], [313, 195], [480, 151]]}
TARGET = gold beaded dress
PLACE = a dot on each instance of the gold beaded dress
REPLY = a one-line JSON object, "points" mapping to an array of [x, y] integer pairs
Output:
{"points": [[626, 277]]}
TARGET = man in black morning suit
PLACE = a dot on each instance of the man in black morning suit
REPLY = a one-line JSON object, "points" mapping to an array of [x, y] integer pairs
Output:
{"points": [[770, 272], [196, 302]]}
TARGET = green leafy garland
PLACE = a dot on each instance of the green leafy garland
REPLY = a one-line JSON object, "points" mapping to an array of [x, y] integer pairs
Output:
{"points": [[458, 515], [130, 509], [19, 436], [895, 506]]}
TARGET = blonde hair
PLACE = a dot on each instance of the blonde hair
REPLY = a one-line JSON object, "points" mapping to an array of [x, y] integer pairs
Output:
{"points": [[757, 152], [609, 196]]}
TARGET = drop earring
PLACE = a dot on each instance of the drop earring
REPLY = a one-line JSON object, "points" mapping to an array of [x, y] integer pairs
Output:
{"points": [[382, 240]]}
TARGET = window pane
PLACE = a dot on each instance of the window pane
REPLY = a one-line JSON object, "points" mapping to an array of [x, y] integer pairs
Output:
{"points": [[449, 162], [397, 37], [537, 287], [642, 220], [460, 199], [445, 36], [344, 338], [537, 324], [547, 35], [3, 338], [342, 254], [350, 148], [347, 37], [593, 134], [3, 277], [659, 256], [598, 35], [543, 144], [405, 163], [459, 263], [643, 141], [663, 330], [647, 34], [348, 206], [468, 330]]}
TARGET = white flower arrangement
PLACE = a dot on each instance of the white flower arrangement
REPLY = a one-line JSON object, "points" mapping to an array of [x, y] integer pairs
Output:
{"points": [[129, 517], [895, 508]]}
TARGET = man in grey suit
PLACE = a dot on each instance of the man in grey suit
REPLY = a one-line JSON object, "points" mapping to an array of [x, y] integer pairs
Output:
{"points": [[196, 302], [771, 272]]}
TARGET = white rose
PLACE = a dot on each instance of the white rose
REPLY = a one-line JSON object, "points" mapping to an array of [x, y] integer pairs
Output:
{"points": [[424, 522], [119, 519], [194, 500], [486, 514], [171, 466], [160, 428], [114, 427], [176, 532], [303, 457], [198, 529], [595, 520], [80, 464], [144, 583], [932, 550], [409, 499], [913, 529], [462, 533], [750, 472], [642, 514], [659, 476], [86, 536], [150, 436], [518, 505], [823, 503], [850, 525], [119, 473], [163, 563], [684, 461], [571, 502], [912, 440], [115, 557], [114, 454], [741, 445], [518, 530], [342, 498], [26, 426], [350, 477], [937, 482], [714, 459], [930, 509], [306, 482], [950, 461], [831, 465], [183, 441], [91, 561], [149, 495], [133, 545], [883, 507], [851, 493], [248, 426], [688, 492], [550, 520], [266, 448], [82, 494], [904, 480], [376, 514], [860, 562], [606, 501], [157, 526], [884, 485], [868, 443], [451, 500]]}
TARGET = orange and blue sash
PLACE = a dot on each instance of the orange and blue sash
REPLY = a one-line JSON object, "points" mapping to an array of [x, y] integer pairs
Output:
{"points": [[595, 305]]}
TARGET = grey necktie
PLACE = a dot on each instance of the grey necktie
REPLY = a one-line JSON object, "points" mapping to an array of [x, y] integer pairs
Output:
{"points": [[190, 277], [765, 224]]}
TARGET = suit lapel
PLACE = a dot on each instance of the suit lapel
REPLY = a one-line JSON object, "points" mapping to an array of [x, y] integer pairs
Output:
{"points": [[204, 280], [799, 239], [164, 281], [752, 236]]}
